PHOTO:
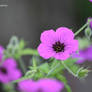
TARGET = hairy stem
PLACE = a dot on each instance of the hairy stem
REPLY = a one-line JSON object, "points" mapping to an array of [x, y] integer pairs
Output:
{"points": [[85, 25], [29, 51], [70, 71], [64, 80], [53, 69]]}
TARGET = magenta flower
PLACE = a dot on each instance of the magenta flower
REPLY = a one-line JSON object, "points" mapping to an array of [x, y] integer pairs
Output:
{"points": [[9, 71], [84, 55], [43, 85], [59, 44], [1, 52]]}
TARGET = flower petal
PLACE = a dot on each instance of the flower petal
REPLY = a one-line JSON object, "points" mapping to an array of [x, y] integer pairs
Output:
{"points": [[4, 78], [26, 86], [14, 74], [72, 46], [48, 37], [10, 63], [61, 56], [64, 34], [1, 53], [45, 51], [78, 56], [54, 85]]}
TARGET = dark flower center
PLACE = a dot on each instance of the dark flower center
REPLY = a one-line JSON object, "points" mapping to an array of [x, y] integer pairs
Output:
{"points": [[3, 70], [58, 47]]}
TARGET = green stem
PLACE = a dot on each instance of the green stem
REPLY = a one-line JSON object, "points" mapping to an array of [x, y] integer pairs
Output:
{"points": [[53, 69], [22, 65], [68, 68], [68, 88], [29, 51], [85, 25]]}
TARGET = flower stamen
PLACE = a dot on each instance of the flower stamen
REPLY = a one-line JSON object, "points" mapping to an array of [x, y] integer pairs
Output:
{"points": [[58, 47]]}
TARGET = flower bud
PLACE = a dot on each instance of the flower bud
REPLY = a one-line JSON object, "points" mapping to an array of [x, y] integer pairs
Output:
{"points": [[88, 32], [83, 73], [89, 19], [90, 25]]}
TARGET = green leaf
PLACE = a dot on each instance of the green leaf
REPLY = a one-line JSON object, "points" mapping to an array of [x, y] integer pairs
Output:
{"points": [[44, 68], [61, 77], [38, 75], [54, 63], [55, 68]]}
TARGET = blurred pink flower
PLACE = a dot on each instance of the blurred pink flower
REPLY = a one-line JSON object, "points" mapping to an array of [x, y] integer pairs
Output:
{"points": [[43, 85], [59, 44], [9, 71], [1, 52], [84, 55], [90, 0]]}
